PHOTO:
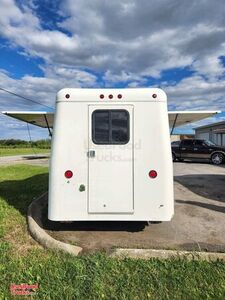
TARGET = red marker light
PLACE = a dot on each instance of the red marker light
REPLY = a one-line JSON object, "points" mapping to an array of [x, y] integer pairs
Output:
{"points": [[119, 96], [154, 96], [110, 96], [68, 174], [101, 96], [67, 96], [152, 174]]}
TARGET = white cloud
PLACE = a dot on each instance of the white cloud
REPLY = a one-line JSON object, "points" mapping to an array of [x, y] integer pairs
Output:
{"points": [[41, 89], [138, 37], [197, 93]]}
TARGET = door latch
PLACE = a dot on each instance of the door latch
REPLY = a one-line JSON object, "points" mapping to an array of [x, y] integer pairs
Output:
{"points": [[91, 153]]}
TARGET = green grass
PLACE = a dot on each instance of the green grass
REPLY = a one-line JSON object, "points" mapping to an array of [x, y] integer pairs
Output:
{"points": [[95, 276], [19, 184], [21, 151]]}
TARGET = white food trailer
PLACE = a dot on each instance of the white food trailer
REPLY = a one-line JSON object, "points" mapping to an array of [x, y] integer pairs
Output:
{"points": [[111, 154]]}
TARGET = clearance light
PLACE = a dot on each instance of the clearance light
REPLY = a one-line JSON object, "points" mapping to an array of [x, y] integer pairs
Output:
{"points": [[67, 96], [152, 174], [119, 96], [68, 174], [101, 96], [110, 96], [154, 96]]}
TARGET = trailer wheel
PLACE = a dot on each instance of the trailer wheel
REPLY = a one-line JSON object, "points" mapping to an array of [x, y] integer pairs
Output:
{"points": [[217, 158]]}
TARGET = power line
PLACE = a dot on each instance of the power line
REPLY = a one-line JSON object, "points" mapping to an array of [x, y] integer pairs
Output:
{"points": [[25, 98]]}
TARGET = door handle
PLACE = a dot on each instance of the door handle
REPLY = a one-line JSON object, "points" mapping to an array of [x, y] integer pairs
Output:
{"points": [[91, 153]]}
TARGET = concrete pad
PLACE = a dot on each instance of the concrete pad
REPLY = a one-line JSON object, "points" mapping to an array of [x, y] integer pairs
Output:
{"points": [[165, 254], [198, 224], [34, 216]]}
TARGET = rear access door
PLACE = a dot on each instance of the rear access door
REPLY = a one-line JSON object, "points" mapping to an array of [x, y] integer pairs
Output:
{"points": [[110, 159]]}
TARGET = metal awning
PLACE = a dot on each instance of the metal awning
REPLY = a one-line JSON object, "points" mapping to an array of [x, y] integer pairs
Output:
{"points": [[45, 119], [179, 118], [39, 118]]}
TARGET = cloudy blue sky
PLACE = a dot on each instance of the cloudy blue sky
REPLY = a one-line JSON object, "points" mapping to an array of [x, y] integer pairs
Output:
{"points": [[47, 45]]}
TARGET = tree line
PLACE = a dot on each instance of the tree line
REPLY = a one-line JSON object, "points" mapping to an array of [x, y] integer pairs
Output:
{"points": [[14, 143]]}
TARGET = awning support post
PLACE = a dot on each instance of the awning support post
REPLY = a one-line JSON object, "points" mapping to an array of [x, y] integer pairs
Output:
{"points": [[46, 120], [174, 124]]}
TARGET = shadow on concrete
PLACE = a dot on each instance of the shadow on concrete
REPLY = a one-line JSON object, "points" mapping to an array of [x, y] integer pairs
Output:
{"points": [[210, 186], [199, 161], [88, 226], [195, 161], [204, 205]]}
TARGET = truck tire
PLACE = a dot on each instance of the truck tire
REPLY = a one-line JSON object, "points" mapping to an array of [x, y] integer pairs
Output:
{"points": [[217, 158]]}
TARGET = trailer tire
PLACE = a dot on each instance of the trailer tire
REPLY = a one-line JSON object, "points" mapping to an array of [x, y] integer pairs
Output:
{"points": [[217, 158]]}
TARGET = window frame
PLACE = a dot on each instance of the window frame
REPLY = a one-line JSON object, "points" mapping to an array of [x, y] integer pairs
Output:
{"points": [[110, 142]]}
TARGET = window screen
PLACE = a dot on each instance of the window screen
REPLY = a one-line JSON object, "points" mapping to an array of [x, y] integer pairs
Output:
{"points": [[110, 126]]}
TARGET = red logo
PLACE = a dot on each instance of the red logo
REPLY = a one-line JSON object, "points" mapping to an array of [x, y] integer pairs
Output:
{"points": [[23, 289]]}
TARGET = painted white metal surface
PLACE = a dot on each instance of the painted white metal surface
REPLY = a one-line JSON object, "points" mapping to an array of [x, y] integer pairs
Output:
{"points": [[123, 186]]}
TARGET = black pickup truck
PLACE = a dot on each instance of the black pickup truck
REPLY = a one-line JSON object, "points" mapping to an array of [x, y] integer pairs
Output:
{"points": [[198, 149]]}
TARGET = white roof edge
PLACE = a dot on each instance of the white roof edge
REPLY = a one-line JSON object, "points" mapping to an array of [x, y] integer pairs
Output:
{"points": [[26, 112], [109, 89], [194, 111], [169, 111]]}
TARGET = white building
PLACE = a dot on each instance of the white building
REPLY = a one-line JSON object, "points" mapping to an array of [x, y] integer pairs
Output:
{"points": [[213, 132]]}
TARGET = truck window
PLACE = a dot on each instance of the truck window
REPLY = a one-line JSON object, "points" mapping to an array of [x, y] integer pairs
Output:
{"points": [[110, 126], [199, 143], [187, 143], [209, 143]]}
